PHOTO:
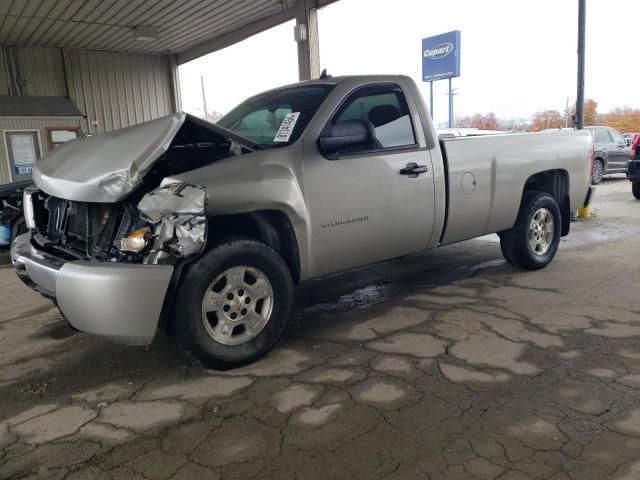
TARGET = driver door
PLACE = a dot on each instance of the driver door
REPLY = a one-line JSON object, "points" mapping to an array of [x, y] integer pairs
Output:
{"points": [[362, 209]]}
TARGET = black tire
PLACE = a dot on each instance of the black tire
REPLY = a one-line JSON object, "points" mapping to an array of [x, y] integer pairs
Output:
{"points": [[598, 172], [515, 244], [508, 253], [187, 322], [635, 188]]}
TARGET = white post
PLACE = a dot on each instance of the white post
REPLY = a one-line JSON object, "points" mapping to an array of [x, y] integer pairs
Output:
{"points": [[306, 34], [174, 76]]}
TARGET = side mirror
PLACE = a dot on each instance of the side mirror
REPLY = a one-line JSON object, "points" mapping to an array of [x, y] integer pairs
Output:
{"points": [[629, 141], [345, 135]]}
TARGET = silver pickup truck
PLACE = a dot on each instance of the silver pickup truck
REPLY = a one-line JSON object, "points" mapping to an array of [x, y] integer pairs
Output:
{"points": [[202, 230]]}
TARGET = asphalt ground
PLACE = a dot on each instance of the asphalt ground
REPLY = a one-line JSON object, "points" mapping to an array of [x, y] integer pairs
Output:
{"points": [[444, 365]]}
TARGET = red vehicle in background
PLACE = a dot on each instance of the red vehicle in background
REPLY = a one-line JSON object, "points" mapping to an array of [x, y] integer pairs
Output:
{"points": [[634, 167]]}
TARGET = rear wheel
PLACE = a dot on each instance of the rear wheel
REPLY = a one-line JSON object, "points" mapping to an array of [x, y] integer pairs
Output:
{"points": [[534, 239], [635, 188], [233, 304], [508, 253], [598, 172]]}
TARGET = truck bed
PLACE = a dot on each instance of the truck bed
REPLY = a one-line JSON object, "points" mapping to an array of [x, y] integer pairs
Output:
{"points": [[486, 177]]}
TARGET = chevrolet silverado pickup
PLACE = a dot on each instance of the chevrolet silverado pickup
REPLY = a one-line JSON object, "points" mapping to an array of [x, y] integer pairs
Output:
{"points": [[202, 230]]}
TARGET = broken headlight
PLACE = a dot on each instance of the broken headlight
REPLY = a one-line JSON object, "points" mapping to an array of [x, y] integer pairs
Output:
{"points": [[136, 241]]}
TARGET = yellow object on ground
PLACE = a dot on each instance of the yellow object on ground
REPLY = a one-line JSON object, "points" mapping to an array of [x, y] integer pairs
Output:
{"points": [[584, 212]]}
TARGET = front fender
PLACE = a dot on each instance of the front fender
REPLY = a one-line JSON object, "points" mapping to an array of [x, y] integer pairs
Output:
{"points": [[260, 181]]}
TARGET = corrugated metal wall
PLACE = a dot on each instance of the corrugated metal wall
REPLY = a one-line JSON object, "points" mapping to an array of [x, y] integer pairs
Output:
{"points": [[115, 90], [119, 90], [4, 78], [29, 123], [42, 69]]}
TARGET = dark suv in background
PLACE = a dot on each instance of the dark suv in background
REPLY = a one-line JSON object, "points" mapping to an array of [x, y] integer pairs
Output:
{"points": [[612, 152]]}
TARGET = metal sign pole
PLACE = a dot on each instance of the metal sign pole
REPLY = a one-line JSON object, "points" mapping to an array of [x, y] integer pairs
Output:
{"points": [[431, 99], [450, 105]]}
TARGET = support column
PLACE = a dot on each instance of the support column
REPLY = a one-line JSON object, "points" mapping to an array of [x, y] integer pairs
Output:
{"points": [[306, 34], [174, 77]]}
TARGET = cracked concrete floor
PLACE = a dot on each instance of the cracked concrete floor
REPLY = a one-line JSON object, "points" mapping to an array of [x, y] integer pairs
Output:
{"points": [[445, 365]]}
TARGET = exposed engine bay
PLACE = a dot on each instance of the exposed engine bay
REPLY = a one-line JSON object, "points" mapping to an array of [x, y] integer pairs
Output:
{"points": [[158, 222]]}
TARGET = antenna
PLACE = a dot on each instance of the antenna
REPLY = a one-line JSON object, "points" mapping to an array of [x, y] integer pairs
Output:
{"points": [[324, 74]]}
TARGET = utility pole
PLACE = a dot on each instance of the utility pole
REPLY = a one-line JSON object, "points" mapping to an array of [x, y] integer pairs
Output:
{"points": [[582, 22], [450, 105], [452, 92], [204, 98]]}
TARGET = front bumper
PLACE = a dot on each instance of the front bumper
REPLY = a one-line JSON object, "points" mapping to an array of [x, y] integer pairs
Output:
{"points": [[118, 301]]}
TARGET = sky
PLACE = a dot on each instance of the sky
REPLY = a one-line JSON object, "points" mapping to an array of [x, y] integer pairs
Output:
{"points": [[517, 56]]}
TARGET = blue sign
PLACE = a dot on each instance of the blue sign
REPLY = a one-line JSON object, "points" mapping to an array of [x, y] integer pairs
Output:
{"points": [[23, 169], [441, 56]]}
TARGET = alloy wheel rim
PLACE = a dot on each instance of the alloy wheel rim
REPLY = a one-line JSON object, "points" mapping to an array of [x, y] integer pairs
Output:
{"points": [[597, 171], [541, 230], [237, 305]]}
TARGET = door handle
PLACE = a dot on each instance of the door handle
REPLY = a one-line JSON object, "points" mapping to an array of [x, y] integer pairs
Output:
{"points": [[413, 169]]}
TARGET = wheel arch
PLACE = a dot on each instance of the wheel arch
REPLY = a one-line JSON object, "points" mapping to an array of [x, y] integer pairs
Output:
{"points": [[555, 183], [271, 227]]}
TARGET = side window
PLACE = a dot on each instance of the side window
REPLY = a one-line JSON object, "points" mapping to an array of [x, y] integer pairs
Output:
{"points": [[601, 136], [617, 138], [384, 108], [260, 125]]}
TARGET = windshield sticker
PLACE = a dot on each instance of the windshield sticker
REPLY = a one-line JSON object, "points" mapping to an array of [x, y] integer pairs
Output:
{"points": [[286, 127]]}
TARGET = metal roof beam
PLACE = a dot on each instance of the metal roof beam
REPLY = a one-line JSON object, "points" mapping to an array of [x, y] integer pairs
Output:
{"points": [[244, 32], [235, 36]]}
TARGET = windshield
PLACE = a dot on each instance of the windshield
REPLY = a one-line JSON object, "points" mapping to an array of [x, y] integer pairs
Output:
{"points": [[278, 117]]}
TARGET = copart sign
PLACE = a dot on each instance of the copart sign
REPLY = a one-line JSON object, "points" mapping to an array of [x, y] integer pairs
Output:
{"points": [[441, 56]]}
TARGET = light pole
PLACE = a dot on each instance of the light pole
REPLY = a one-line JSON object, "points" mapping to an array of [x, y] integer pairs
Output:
{"points": [[582, 21]]}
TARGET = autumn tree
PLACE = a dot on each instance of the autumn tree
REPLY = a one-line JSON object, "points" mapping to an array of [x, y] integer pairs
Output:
{"points": [[590, 111], [487, 121], [545, 119], [464, 122], [624, 119], [490, 122]]}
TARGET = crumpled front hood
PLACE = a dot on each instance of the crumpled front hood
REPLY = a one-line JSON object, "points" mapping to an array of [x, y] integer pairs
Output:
{"points": [[108, 167]]}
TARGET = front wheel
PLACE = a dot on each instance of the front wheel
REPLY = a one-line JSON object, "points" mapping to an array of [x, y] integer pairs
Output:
{"points": [[533, 241], [635, 188], [232, 304]]}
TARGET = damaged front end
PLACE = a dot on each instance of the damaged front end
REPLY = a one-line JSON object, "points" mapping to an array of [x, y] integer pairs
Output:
{"points": [[108, 239], [105, 198], [177, 213], [112, 269]]}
